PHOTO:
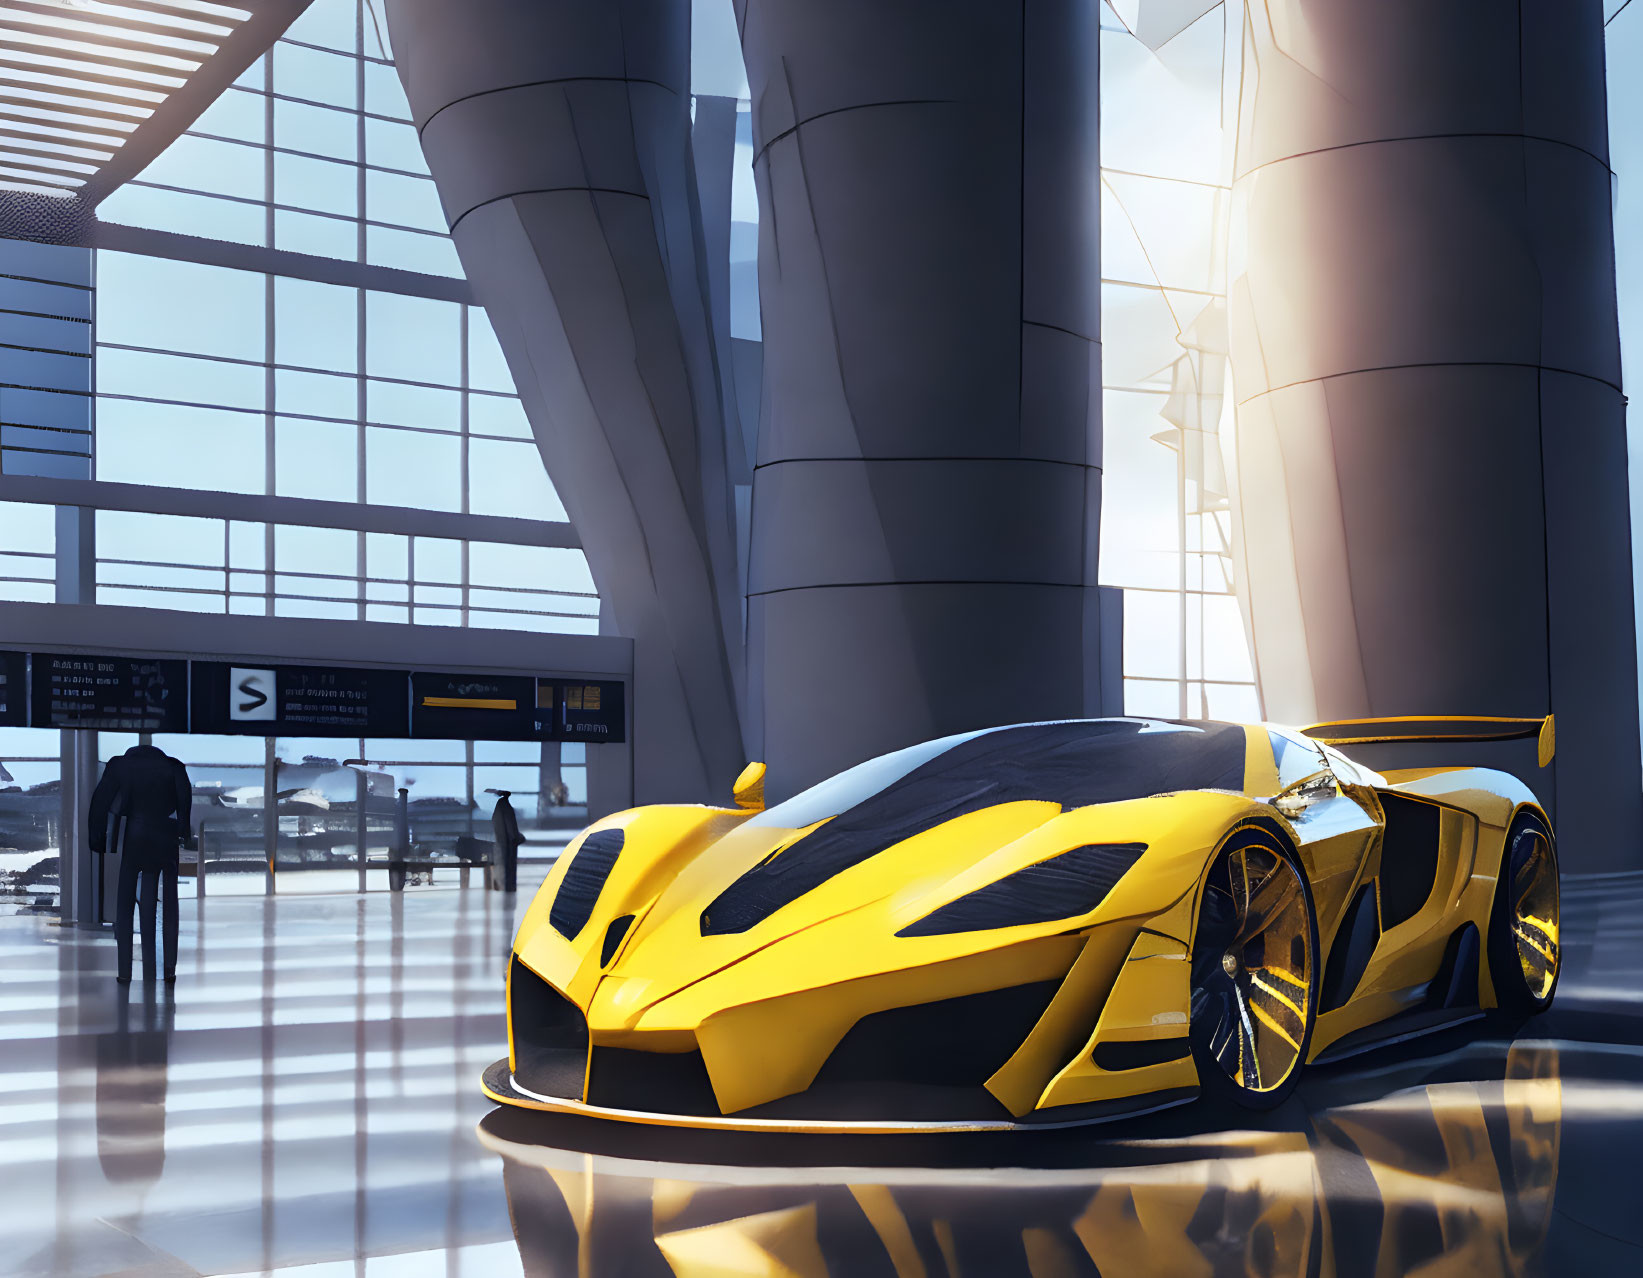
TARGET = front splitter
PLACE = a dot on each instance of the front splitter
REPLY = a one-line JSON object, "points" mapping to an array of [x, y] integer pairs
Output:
{"points": [[498, 1084]]}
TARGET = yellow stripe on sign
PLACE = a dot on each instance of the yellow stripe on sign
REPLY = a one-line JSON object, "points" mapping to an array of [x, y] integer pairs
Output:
{"points": [[469, 703]]}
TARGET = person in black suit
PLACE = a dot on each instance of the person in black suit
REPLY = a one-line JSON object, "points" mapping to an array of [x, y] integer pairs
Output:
{"points": [[144, 798]]}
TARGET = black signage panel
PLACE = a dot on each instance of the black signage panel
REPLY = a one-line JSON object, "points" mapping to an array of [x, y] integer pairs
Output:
{"points": [[576, 710], [121, 694], [14, 690], [468, 707], [299, 701]]}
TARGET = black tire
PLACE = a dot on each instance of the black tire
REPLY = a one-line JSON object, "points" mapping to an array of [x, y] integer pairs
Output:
{"points": [[1235, 1046], [1525, 960]]}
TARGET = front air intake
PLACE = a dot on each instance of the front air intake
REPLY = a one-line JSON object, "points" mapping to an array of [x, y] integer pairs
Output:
{"points": [[549, 1036]]}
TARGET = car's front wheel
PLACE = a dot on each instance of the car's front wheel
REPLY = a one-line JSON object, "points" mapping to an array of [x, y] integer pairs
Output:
{"points": [[1255, 971]]}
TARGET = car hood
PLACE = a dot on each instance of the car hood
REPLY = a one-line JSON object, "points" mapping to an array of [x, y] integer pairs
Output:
{"points": [[666, 972]]}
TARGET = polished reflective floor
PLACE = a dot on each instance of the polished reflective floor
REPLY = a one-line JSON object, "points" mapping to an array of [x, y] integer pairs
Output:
{"points": [[305, 1102]]}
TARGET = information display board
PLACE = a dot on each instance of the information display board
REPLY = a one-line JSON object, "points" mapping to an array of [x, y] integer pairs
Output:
{"points": [[469, 707], [118, 694], [299, 701], [576, 710], [14, 691]]}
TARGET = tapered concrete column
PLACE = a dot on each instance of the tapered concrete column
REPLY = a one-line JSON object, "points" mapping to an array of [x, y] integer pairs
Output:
{"points": [[558, 132], [1430, 468], [927, 494]]}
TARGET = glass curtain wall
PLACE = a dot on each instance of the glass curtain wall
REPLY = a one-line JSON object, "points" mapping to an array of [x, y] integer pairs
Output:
{"points": [[30, 820], [333, 821], [1623, 37], [1169, 87], [215, 350]]}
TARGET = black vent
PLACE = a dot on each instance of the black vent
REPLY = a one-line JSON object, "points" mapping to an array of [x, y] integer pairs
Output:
{"points": [[613, 938], [1062, 887], [1075, 764], [928, 1062], [584, 879], [1115, 1056], [1409, 857], [656, 1082], [549, 1034]]}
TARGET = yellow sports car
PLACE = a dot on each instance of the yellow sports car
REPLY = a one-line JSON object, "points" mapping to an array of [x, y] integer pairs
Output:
{"points": [[1041, 924]]}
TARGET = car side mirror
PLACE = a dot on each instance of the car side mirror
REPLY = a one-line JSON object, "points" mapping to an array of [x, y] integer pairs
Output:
{"points": [[749, 788], [1300, 796]]}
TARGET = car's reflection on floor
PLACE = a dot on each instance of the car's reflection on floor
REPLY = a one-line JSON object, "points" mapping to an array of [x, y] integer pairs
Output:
{"points": [[1452, 1168]]}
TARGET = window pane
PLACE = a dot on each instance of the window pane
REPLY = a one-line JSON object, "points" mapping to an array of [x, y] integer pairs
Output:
{"points": [[179, 377], [324, 185], [315, 325], [417, 339], [175, 600], [409, 468], [247, 545], [315, 235], [315, 459], [322, 550], [508, 479], [317, 130], [487, 367], [480, 620], [532, 567], [1152, 634], [236, 114], [387, 555], [438, 559], [400, 405], [180, 306], [317, 76], [492, 415], [177, 539], [206, 216], [319, 608], [332, 23], [167, 444], [205, 164], [316, 394], [384, 95], [404, 201], [199, 579], [28, 528], [393, 146], [412, 251]]}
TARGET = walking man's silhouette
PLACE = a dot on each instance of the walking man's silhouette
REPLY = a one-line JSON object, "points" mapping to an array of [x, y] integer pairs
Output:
{"points": [[141, 808]]}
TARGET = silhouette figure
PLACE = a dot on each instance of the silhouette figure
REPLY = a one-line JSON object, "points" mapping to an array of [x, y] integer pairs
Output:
{"points": [[505, 828], [141, 808]]}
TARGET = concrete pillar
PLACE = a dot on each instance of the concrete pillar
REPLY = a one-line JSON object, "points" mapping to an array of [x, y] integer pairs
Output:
{"points": [[927, 494], [1430, 455], [559, 135]]}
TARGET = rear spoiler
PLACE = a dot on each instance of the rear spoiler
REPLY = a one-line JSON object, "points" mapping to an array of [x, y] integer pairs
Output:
{"points": [[1434, 729]]}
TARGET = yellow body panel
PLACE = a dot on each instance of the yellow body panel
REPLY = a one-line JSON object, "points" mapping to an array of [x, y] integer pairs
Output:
{"points": [[767, 1006], [1148, 1002]]}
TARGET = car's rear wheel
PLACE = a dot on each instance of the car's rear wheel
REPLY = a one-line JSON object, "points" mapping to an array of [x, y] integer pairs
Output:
{"points": [[1255, 971], [1524, 957]]}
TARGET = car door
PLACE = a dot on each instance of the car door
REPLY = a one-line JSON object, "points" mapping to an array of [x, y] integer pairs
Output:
{"points": [[1335, 833]]}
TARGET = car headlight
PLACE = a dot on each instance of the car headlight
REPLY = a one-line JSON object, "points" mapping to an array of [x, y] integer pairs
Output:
{"points": [[1062, 887]]}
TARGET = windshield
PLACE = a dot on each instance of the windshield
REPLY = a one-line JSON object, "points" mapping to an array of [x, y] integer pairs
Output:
{"points": [[1073, 763]]}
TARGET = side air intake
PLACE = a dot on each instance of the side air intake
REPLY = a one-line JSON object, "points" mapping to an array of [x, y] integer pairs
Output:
{"points": [[1062, 887]]}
